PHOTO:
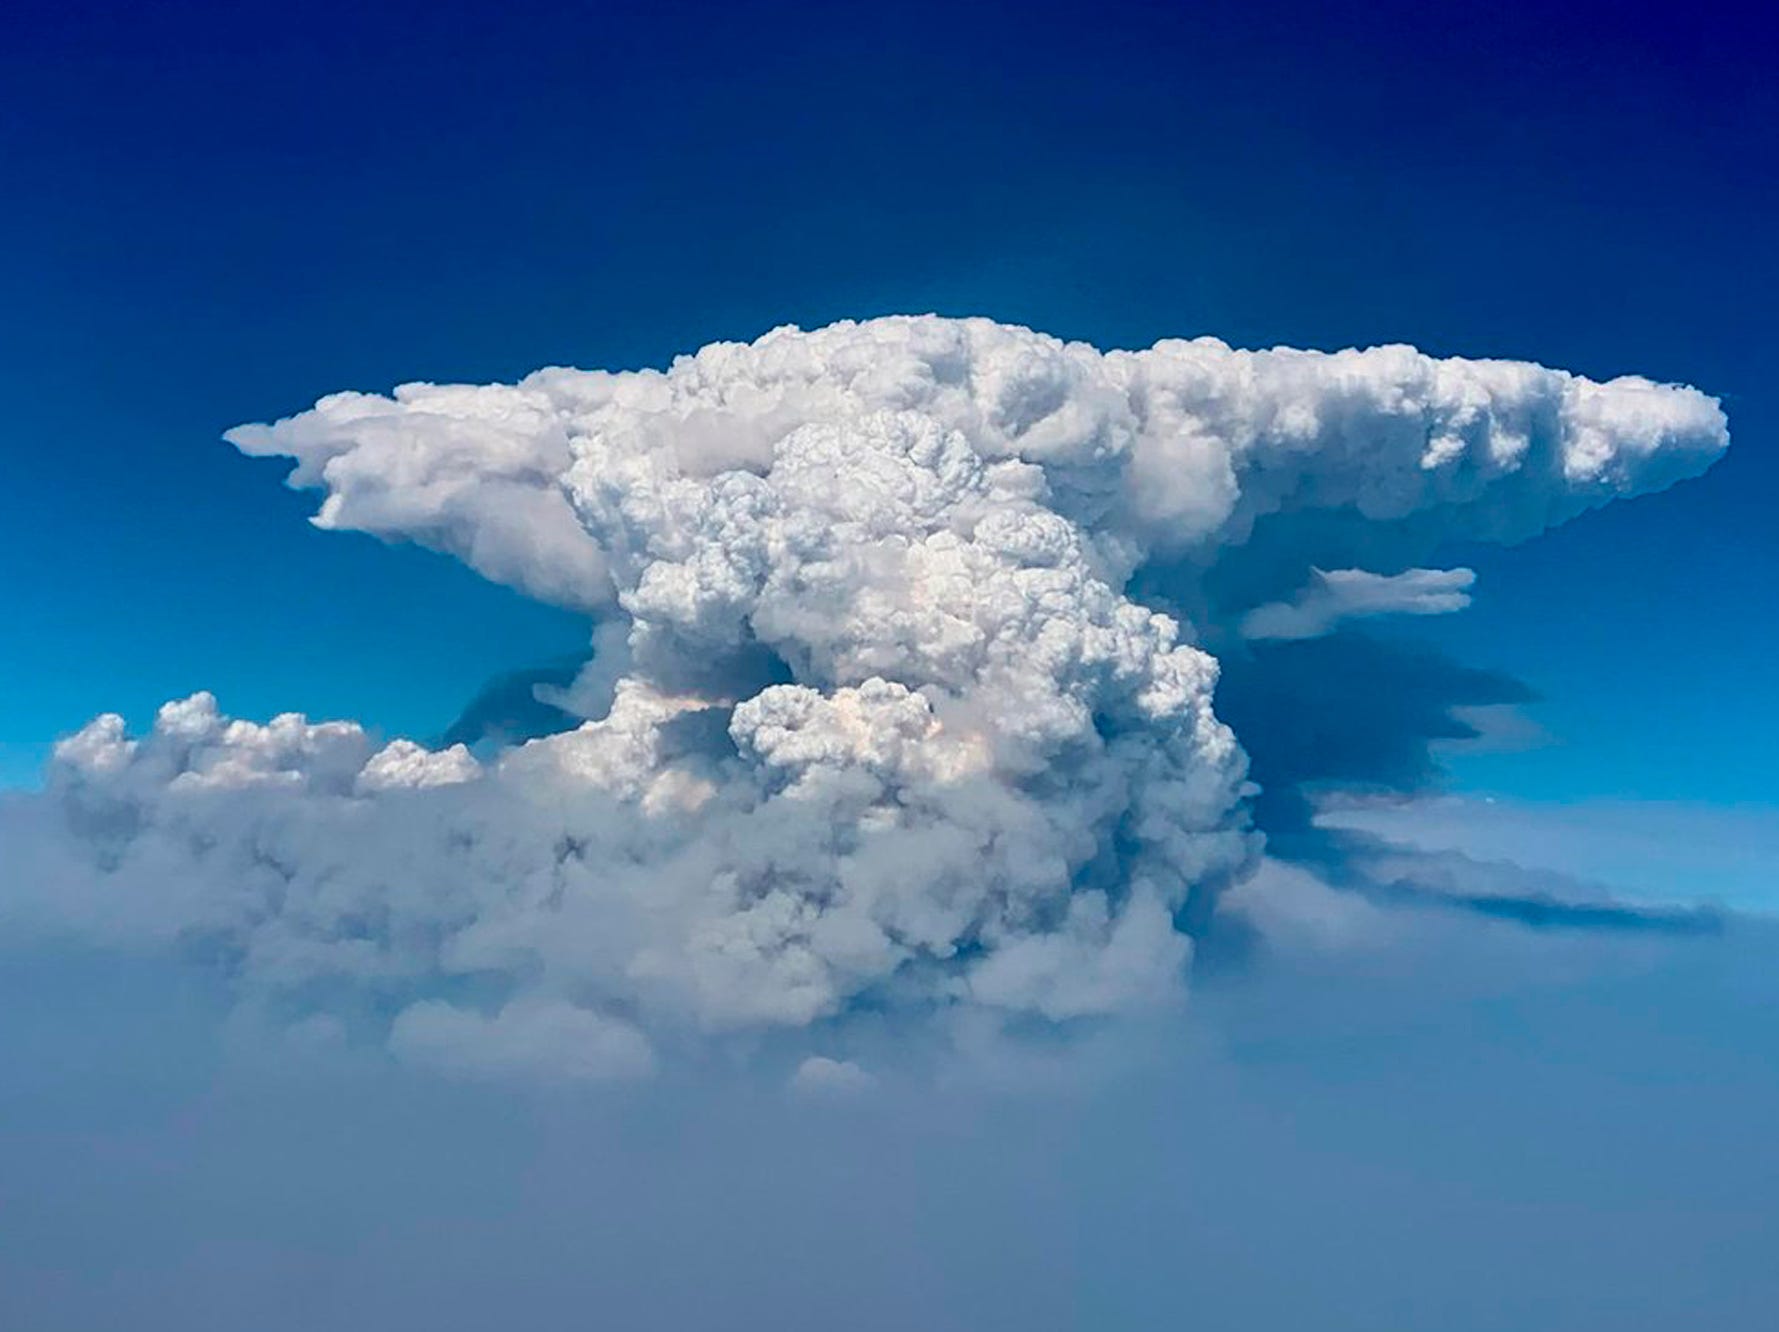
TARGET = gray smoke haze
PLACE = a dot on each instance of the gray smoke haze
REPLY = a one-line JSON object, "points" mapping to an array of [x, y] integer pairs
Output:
{"points": [[1395, 1119]]}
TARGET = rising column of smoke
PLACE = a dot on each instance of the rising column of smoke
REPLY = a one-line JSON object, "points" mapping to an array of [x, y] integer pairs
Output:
{"points": [[875, 716]]}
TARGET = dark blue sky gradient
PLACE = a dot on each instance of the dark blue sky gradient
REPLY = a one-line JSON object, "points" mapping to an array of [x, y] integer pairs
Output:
{"points": [[216, 213]]}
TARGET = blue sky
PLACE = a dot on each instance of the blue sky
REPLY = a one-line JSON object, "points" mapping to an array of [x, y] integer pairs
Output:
{"points": [[217, 214]]}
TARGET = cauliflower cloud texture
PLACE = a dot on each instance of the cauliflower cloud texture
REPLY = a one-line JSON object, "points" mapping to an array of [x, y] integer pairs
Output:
{"points": [[874, 715]]}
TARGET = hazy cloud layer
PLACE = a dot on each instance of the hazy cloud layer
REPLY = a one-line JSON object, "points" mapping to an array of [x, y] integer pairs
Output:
{"points": [[1664, 855], [873, 715], [1542, 1103]]}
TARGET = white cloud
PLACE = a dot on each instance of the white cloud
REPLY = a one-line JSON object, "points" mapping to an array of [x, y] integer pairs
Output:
{"points": [[820, 1076], [992, 777], [470, 470], [1291, 907], [1335, 595], [546, 483], [531, 1038]]}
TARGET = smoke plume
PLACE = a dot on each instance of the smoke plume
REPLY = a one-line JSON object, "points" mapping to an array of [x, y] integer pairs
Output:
{"points": [[875, 715]]}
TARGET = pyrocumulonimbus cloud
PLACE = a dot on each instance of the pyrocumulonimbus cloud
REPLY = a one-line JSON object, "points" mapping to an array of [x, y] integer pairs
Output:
{"points": [[875, 715]]}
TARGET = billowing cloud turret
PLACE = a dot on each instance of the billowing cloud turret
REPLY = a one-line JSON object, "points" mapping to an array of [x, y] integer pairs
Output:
{"points": [[874, 712]]}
